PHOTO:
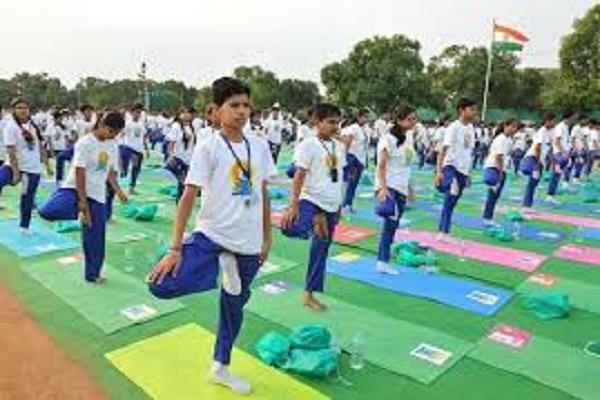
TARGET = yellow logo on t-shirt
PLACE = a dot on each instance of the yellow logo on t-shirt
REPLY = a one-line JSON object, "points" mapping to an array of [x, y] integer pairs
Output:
{"points": [[102, 161], [330, 161], [240, 184]]}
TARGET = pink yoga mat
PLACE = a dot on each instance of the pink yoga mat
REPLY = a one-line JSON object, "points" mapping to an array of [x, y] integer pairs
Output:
{"points": [[582, 254], [511, 258], [563, 219]]}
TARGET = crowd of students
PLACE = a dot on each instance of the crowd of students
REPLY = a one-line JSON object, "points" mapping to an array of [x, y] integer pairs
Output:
{"points": [[228, 155]]}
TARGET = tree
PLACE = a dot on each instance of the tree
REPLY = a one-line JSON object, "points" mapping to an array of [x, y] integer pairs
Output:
{"points": [[263, 84], [296, 94], [203, 99], [378, 73], [578, 83]]}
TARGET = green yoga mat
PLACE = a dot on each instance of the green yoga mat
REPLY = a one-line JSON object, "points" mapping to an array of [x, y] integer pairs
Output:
{"points": [[275, 265], [545, 361], [389, 342], [120, 302], [581, 295], [174, 365]]}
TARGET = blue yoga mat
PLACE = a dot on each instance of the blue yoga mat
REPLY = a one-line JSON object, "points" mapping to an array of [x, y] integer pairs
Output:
{"points": [[468, 295], [467, 221], [41, 241], [591, 233]]}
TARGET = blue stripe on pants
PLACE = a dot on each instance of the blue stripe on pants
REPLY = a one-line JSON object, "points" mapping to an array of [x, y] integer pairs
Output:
{"points": [[62, 206], [390, 224], [494, 193], [29, 185], [319, 248], [532, 184], [455, 183], [198, 272]]}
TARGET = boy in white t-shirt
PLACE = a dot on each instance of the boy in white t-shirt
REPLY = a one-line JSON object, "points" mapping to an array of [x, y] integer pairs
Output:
{"points": [[274, 126], [455, 160], [316, 196], [305, 131], [356, 138], [560, 157], [182, 140], [233, 229], [496, 165], [579, 146], [392, 180], [62, 135], [593, 147], [533, 163], [25, 153], [134, 144], [83, 193]]}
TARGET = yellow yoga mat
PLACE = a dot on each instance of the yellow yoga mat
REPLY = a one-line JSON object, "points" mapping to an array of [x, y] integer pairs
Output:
{"points": [[175, 365]]}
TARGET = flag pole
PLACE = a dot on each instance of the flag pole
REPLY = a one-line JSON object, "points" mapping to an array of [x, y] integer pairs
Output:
{"points": [[488, 73]]}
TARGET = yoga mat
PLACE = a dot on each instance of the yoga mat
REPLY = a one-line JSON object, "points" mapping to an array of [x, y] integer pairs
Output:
{"points": [[581, 295], [42, 240], [563, 219], [344, 234], [390, 342], [582, 254], [527, 231], [468, 295], [512, 258], [591, 233], [275, 265], [124, 231], [545, 361], [175, 364], [120, 302]]}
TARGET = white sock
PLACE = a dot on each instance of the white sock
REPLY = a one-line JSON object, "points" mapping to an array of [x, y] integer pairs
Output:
{"points": [[221, 376], [231, 278], [385, 268]]}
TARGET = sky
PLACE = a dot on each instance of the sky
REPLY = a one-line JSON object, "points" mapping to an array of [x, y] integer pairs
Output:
{"points": [[199, 41]]}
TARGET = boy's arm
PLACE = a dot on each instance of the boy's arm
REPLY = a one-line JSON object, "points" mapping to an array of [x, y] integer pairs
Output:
{"points": [[114, 184], [267, 236], [292, 214], [14, 162]]}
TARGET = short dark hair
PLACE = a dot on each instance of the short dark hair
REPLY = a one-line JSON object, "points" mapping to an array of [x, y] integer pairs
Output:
{"points": [[548, 116], [568, 114], [363, 112], [113, 119], [464, 103], [226, 87], [326, 110], [85, 107]]}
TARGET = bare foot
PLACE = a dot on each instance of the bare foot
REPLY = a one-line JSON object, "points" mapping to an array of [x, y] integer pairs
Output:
{"points": [[308, 300], [99, 280]]}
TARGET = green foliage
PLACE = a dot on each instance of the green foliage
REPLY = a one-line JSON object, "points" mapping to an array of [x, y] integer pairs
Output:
{"points": [[378, 73]]}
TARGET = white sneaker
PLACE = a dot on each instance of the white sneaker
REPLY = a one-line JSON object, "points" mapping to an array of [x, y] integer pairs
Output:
{"points": [[385, 268], [220, 375], [576, 181], [552, 199], [443, 237], [488, 223], [26, 231]]}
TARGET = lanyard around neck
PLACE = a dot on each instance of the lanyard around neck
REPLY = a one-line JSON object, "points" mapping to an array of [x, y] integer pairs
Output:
{"points": [[245, 171]]}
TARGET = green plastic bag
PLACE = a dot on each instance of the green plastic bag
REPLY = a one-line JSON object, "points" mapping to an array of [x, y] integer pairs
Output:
{"points": [[590, 196], [67, 226], [146, 212], [366, 179], [169, 190], [407, 245], [548, 305], [515, 216], [499, 233], [313, 363], [593, 349], [129, 210], [274, 348], [414, 259], [310, 337]]}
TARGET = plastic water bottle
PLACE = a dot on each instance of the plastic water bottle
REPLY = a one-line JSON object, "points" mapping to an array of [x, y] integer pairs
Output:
{"points": [[357, 352], [516, 230], [128, 261]]}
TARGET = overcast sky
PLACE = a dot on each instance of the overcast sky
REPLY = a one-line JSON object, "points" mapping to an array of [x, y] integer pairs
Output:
{"points": [[197, 41]]}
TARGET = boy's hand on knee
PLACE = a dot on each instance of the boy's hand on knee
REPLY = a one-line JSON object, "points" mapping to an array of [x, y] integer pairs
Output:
{"points": [[169, 264], [290, 217]]}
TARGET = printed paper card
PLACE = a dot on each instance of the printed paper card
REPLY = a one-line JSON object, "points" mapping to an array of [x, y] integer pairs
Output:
{"points": [[431, 354], [487, 299], [138, 312], [544, 279], [274, 288], [510, 336], [70, 260], [269, 268], [346, 257]]}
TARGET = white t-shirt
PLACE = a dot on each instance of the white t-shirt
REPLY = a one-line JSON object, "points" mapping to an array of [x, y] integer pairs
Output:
{"points": [[84, 127], [176, 134], [231, 216], [438, 138], [360, 142], [460, 139], [198, 123], [274, 128], [577, 136], [27, 153], [59, 136], [98, 158], [205, 132], [381, 127], [541, 137], [561, 132], [2, 146], [593, 139], [501, 145], [133, 135], [398, 169], [304, 132], [519, 141], [313, 155]]}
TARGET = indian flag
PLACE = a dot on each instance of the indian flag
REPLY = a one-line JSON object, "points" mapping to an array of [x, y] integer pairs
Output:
{"points": [[508, 39]]}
